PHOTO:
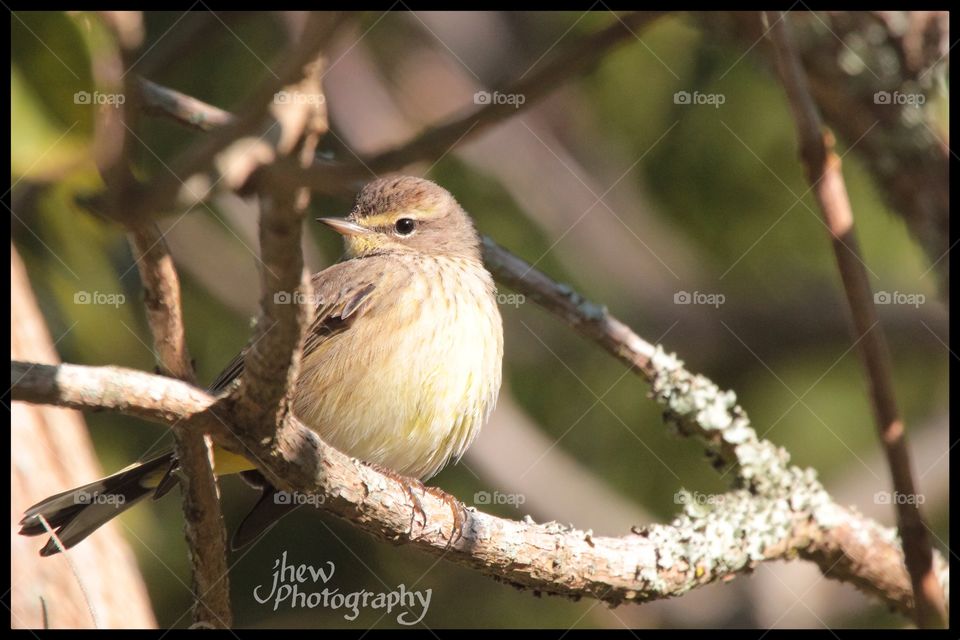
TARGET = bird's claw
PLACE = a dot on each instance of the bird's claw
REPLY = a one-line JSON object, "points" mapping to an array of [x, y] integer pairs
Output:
{"points": [[408, 484], [456, 509], [417, 505]]}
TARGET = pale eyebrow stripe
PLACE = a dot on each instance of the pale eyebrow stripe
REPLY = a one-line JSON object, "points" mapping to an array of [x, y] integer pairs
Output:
{"points": [[387, 219]]}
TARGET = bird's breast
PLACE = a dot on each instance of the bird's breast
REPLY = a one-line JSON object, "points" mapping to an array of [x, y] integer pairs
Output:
{"points": [[411, 382]]}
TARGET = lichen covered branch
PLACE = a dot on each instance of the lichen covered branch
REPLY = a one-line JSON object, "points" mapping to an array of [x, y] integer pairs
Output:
{"points": [[702, 545]]}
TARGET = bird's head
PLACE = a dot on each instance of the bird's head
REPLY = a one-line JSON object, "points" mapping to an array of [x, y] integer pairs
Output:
{"points": [[406, 214]]}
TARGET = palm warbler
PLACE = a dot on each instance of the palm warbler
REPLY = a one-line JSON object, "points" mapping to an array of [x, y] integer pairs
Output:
{"points": [[401, 367]]}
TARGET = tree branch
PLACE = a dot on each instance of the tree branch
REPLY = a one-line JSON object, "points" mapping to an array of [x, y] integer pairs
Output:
{"points": [[272, 359], [339, 177], [588, 318], [877, 73], [203, 519], [161, 193], [824, 173], [203, 522], [702, 545], [569, 62], [179, 107], [162, 300]]}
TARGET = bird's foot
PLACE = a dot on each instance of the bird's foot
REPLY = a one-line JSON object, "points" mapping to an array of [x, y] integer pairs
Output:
{"points": [[456, 508], [408, 484]]}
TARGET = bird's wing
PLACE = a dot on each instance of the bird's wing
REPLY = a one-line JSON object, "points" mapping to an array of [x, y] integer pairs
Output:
{"points": [[342, 293]]}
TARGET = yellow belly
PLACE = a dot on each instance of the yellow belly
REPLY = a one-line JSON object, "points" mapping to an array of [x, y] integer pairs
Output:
{"points": [[409, 385]]}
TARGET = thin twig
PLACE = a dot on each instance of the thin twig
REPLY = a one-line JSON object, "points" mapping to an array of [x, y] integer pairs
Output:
{"points": [[339, 177], [159, 100], [569, 62], [161, 193], [73, 570], [591, 320], [824, 173], [879, 98]]}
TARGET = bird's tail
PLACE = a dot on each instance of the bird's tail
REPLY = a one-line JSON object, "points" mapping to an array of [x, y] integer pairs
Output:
{"points": [[77, 513]]}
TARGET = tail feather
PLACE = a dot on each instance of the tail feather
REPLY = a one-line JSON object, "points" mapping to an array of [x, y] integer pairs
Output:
{"points": [[77, 513], [272, 505]]}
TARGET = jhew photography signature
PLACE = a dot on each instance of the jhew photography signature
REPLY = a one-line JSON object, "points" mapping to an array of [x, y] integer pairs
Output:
{"points": [[291, 588]]}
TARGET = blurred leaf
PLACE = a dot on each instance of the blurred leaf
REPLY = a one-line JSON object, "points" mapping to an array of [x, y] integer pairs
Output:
{"points": [[50, 63]]}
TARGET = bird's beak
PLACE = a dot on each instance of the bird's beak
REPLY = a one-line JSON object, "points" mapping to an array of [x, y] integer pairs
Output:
{"points": [[344, 226]]}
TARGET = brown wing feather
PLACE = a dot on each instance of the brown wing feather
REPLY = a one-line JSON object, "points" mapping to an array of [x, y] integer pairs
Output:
{"points": [[342, 295], [341, 298]]}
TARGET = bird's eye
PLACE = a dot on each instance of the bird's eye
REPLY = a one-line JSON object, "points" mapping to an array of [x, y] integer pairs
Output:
{"points": [[405, 226]]}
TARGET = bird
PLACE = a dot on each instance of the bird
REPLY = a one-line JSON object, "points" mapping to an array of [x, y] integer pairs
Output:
{"points": [[401, 366]]}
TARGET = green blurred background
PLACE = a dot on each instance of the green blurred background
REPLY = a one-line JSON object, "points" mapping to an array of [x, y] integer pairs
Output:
{"points": [[607, 184]]}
